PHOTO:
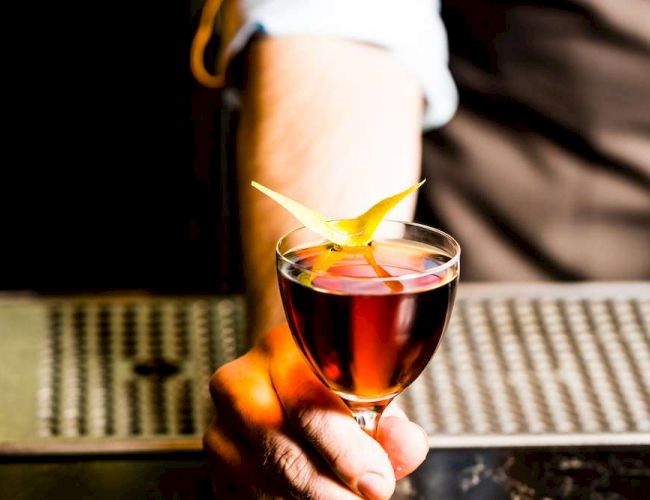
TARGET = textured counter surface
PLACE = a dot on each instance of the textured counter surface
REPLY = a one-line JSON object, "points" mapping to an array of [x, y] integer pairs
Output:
{"points": [[595, 473]]}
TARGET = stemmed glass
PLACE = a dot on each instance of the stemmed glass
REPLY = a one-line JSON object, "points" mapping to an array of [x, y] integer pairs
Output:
{"points": [[368, 319]]}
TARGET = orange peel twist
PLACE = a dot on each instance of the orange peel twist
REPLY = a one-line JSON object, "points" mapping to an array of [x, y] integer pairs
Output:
{"points": [[354, 235]]}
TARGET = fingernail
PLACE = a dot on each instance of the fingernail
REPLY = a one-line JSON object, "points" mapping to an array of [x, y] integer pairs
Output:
{"points": [[374, 486]]}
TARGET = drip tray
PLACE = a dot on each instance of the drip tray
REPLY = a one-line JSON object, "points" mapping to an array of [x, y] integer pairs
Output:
{"points": [[113, 374], [520, 365], [539, 365]]}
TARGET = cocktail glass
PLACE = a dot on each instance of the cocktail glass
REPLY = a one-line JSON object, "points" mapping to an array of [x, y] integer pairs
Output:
{"points": [[368, 319]]}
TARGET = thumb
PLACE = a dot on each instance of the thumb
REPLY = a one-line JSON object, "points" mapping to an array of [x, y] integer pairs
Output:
{"points": [[405, 442]]}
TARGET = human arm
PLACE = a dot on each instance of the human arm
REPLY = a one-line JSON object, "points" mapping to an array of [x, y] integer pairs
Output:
{"points": [[336, 125], [331, 123]]}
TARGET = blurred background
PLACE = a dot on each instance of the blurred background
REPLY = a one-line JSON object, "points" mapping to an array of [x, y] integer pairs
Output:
{"points": [[115, 178], [116, 173]]}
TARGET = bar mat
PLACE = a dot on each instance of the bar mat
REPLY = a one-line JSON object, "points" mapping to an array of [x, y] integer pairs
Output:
{"points": [[520, 365], [529, 365], [112, 374]]}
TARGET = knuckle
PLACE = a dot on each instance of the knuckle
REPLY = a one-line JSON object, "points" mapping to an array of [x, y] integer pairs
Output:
{"points": [[221, 383], [327, 436], [293, 466], [312, 421], [338, 459]]}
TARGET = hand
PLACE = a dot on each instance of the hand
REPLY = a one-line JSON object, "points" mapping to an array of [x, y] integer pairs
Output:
{"points": [[279, 432]]}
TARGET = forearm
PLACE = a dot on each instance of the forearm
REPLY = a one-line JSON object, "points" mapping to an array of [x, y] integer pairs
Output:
{"points": [[333, 124]]}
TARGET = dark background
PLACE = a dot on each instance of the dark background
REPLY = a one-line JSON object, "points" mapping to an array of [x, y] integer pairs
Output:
{"points": [[114, 172]]}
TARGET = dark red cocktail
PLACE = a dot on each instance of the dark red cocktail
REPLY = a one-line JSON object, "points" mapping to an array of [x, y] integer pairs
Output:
{"points": [[371, 321]]}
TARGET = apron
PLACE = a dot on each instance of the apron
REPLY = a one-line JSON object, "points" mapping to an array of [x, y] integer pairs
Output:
{"points": [[544, 173]]}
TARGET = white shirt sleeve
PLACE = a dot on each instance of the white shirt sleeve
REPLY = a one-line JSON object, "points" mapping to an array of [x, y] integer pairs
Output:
{"points": [[410, 29]]}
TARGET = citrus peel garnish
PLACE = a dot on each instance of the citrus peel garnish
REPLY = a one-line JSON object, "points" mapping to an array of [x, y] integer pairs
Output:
{"points": [[322, 263], [347, 233], [332, 255], [361, 230], [394, 285]]}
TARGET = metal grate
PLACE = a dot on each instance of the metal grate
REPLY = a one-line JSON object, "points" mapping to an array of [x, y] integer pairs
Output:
{"points": [[546, 364], [133, 368], [520, 365]]}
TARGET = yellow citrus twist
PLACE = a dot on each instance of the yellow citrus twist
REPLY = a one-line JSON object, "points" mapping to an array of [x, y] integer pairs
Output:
{"points": [[354, 235]]}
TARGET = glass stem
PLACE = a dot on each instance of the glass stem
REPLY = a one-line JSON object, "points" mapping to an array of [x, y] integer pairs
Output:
{"points": [[367, 415]]}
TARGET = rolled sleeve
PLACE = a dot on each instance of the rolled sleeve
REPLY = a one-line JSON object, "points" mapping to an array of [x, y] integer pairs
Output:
{"points": [[411, 30]]}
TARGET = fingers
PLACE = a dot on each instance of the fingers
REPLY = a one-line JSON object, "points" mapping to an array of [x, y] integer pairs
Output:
{"points": [[232, 466], [405, 442], [244, 402], [320, 417], [301, 474], [357, 459], [243, 390], [280, 431], [249, 448], [283, 469]]}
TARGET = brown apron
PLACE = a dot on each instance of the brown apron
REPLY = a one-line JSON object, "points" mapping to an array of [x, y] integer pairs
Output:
{"points": [[544, 173]]}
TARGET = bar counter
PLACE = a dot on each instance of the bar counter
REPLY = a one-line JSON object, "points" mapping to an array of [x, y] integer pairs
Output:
{"points": [[537, 391], [494, 474]]}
